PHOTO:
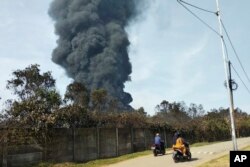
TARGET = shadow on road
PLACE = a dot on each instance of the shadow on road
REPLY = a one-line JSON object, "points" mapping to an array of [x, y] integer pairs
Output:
{"points": [[186, 161], [159, 155], [194, 159]]}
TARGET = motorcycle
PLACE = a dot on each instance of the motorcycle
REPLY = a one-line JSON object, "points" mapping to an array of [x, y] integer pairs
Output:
{"points": [[158, 149], [178, 155]]}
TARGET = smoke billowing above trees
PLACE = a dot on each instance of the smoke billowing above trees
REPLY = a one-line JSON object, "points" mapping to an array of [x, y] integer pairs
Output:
{"points": [[92, 44]]}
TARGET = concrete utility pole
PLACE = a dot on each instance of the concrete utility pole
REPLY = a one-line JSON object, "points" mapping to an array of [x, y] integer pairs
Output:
{"points": [[228, 80]]}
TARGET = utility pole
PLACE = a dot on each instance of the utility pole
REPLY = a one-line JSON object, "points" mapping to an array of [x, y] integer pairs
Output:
{"points": [[228, 80]]}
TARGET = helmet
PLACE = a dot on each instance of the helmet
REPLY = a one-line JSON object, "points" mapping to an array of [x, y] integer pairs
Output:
{"points": [[178, 134]]}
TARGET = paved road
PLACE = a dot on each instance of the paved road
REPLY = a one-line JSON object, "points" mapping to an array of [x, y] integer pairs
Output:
{"points": [[199, 156]]}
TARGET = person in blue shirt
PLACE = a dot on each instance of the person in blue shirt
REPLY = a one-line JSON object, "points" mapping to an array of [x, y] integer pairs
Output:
{"points": [[159, 145], [157, 139]]}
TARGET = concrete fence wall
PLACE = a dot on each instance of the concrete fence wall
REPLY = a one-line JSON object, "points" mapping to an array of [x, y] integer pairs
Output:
{"points": [[83, 144]]}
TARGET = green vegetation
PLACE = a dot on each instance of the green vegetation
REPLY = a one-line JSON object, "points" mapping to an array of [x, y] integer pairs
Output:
{"points": [[221, 161], [108, 161], [202, 144], [38, 108], [97, 163]]}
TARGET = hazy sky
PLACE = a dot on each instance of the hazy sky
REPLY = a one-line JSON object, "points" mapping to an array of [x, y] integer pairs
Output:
{"points": [[174, 57]]}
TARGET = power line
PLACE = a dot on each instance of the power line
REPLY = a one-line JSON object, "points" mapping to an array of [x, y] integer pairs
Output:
{"points": [[209, 11], [235, 52], [181, 2], [240, 79], [211, 28], [234, 68]]}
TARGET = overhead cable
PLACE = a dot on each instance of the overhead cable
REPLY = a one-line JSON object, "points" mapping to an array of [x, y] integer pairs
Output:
{"points": [[235, 52], [225, 46], [183, 3], [211, 28], [240, 79], [197, 7]]}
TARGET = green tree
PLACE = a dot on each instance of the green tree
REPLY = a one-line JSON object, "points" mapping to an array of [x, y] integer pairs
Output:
{"points": [[73, 116], [141, 111], [75, 111], [36, 102], [174, 114], [241, 122], [77, 93], [113, 105], [99, 98], [195, 110]]}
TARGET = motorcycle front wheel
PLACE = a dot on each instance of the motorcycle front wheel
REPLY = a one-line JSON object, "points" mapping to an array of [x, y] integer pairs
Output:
{"points": [[189, 156], [175, 157]]}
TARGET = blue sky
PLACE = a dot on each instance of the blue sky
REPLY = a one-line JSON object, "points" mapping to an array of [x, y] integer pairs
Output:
{"points": [[174, 57]]}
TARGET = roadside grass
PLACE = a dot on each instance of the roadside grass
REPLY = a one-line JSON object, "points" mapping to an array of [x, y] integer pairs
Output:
{"points": [[202, 144], [96, 163], [108, 161], [222, 161]]}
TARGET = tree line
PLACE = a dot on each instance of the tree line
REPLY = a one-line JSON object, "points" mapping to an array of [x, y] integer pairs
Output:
{"points": [[39, 107]]}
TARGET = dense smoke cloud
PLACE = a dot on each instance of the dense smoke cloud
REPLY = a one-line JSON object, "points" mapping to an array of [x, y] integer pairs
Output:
{"points": [[92, 44]]}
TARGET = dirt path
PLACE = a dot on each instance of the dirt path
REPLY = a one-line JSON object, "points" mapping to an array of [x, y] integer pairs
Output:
{"points": [[199, 156]]}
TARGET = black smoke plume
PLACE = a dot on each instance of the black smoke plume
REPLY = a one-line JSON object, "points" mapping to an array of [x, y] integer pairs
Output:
{"points": [[92, 44]]}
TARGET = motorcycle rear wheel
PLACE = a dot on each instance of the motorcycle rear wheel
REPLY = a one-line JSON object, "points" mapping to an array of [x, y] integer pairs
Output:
{"points": [[155, 153]]}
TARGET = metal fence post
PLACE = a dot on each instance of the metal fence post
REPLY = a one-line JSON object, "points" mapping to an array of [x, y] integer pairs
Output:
{"points": [[98, 141], [144, 135], [5, 149], [117, 141], [132, 139], [73, 144], [165, 137]]}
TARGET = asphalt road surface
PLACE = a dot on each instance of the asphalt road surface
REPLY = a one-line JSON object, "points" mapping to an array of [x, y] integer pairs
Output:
{"points": [[199, 156]]}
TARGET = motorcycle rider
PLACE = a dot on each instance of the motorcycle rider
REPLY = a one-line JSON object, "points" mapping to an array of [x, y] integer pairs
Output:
{"points": [[175, 137], [179, 143], [159, 145], [157, 140]]}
